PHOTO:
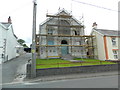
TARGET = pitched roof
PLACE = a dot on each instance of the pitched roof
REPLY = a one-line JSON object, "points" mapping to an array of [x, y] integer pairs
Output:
{"points": [[5, 24], [108, 32], [63, 12]]}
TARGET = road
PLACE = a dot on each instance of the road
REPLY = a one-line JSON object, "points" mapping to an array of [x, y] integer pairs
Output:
{"points": [[91, 82], [13, 68], [17, 66]]}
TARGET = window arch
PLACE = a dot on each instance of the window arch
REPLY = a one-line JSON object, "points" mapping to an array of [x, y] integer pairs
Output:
{"points": [[64, 42]]}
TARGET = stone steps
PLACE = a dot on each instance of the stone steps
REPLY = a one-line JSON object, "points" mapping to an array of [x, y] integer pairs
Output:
{"points": [[67, 57]]}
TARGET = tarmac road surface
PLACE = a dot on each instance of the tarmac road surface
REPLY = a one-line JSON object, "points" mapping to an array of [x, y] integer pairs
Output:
{"points": [[11, 69], [90, 82]]}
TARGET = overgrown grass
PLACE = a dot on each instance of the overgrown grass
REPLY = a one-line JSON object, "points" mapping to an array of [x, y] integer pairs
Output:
{"points": [[50, 63], [55, 63]]}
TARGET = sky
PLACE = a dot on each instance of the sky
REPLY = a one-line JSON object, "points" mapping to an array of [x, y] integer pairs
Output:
{"points": [[103, 12]]}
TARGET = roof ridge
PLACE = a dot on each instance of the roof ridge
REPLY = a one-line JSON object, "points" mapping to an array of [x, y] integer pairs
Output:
{"points": [[5, 24], [106, 30]]}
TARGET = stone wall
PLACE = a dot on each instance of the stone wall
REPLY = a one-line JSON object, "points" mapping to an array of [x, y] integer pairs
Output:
{"points": [[77, 69]]}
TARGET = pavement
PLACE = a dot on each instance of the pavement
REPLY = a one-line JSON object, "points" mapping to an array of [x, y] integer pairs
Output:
{"points": [[21, 76], [15, 69], [70, 76]]}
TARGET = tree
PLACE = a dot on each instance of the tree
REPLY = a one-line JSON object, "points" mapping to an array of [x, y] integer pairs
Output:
{"points": [[21, 41], [24, 45]]}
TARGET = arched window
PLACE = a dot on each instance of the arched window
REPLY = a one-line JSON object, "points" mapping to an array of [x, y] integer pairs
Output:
{"points": [[76, 32], [64, 42]]}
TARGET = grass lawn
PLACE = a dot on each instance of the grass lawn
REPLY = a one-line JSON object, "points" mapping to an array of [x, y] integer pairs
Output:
{"points": [[54, 63]]}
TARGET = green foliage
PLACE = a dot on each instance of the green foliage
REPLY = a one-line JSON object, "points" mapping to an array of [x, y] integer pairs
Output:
{"points": [[22, 42], [24, 45]]}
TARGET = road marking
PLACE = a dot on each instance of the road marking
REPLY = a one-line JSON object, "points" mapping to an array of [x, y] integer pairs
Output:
{"points": [[27, 83], [11, 83]]}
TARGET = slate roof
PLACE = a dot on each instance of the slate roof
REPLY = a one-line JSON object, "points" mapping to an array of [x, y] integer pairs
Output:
{"points": [[108, 32]]}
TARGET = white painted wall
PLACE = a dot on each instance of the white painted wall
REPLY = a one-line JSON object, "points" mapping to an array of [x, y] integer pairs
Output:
{"points": [[111, 47], [1, 44], [100, 51], [11, 42], [19, 50]]}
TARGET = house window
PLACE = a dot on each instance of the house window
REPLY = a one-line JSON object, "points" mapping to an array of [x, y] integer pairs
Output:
{"points": [[76, 32], [113, 41], [50, 31], [115, 53], [2, 55], [53, 50], [50, 50], [41, 50], [80, 43], [17, 51]]}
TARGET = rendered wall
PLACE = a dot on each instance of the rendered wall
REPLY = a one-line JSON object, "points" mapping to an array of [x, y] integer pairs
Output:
{"points": [[56, 51], [8, 42], [100, 45], [111, 47]]}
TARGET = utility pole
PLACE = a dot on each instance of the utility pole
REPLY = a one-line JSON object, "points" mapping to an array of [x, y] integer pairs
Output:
{"points": [[33, 63]]}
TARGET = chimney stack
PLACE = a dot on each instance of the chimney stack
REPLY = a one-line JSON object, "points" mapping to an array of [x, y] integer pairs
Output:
{"points": [[9, 20], [94, 25]]}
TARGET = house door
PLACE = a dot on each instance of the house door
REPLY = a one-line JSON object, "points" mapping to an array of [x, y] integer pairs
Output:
{"points": [[64, 49]]}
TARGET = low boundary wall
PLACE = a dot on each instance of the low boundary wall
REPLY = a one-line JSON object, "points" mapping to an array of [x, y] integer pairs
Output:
{"points": [[76, 69]]}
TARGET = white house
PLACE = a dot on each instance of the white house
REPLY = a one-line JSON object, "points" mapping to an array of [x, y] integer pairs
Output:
{"points": [[19, 50], [61, 35], [8, 41], [106, 43]]}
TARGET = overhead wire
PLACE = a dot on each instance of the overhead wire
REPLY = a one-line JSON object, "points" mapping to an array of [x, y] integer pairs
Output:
{"points": [[16, 9], [95, 5]]}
